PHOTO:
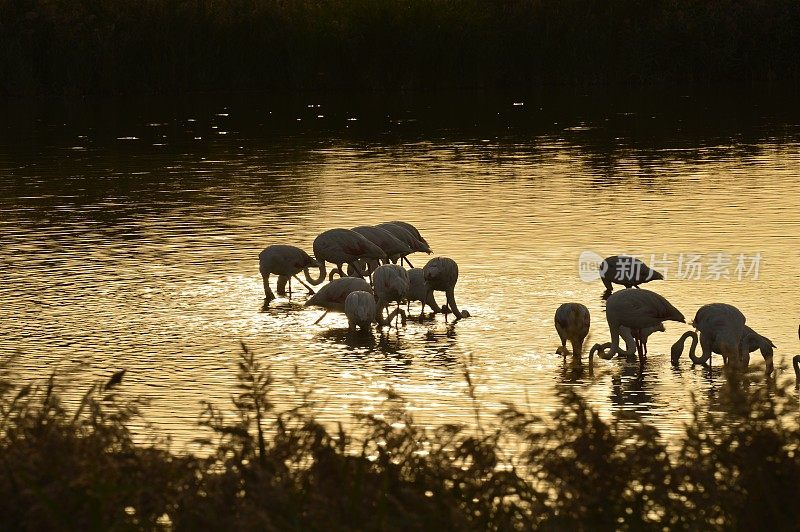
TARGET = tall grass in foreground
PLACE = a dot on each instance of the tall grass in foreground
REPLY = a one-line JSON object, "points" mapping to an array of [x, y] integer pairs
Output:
{"points": [[281, 469], [157, 46]]}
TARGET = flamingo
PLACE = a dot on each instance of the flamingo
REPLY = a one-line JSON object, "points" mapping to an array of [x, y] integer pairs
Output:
{"points": [[286, 262], [391, 284], [359, 307], [333, 295], [411, 229], [722, 329], [749, 342], [404, 235], [752, 341], [636, 310], [627, 271], [572, 322], [631, 342], [441, 273], [418, 291], [394, 248], [342, 246], [390, 244], [644, 334]]}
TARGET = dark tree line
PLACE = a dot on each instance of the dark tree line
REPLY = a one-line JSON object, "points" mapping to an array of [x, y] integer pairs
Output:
{"points": [[163, 46]]}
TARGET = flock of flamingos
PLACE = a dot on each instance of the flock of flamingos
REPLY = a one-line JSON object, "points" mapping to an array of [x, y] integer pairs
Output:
{"points": [[378, 252]]}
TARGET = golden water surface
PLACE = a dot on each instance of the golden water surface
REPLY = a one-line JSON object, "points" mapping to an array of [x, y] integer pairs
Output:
{"points": [[130, 239]]}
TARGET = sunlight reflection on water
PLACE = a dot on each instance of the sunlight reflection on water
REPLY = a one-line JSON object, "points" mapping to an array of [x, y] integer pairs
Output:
{"points": [[119, 255]]}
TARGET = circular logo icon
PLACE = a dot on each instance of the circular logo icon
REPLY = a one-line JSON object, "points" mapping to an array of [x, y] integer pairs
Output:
{"points": [[589, 264]]}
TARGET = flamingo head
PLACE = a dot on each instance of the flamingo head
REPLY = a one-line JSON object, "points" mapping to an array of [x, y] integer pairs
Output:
{"points": [[675, 353]]}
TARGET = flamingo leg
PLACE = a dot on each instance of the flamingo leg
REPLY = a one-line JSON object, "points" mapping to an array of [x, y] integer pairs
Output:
{"points": [[356, 268], [290, 288], [268, 295], [639, 348], [310, 290], [320, 318], [407, 262]]}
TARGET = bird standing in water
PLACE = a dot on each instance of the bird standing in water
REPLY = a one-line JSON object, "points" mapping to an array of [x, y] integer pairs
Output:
{"points": [[343, 246], [359, 307], [627, 271], [286, 262], [636, 310], [722, 328], [441, 274], [572, 322], [333, 295], [418, 291], [390, 285]]}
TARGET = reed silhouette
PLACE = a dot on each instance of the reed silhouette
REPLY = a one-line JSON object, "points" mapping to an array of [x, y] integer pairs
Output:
{"points": [[269, 468]]}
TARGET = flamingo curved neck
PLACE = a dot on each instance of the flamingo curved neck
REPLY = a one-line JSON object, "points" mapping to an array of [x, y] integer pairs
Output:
{"points": [[796, 364], [678, 347], [451, 303], [614, 348], [321, 274]]}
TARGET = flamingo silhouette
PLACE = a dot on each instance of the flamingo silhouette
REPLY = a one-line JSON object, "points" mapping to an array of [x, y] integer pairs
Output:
{"points": [[286, 262], [644, 334], [390, 284], [722, 329], [359, 307], [441, 274], [750, 341], [333, 295], [418, 291], [394, 248], [411, 229], [390, 244], [572, 322], [404, 235], [636, 310], [627, 271], [343, 246]]}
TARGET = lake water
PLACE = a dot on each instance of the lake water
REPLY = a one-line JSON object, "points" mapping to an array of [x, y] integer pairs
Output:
{"points": [[131, 230]]}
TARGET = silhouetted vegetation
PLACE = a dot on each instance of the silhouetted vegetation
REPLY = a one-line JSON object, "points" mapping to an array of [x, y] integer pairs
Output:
{"points": [[271, 469], [122, 46]]}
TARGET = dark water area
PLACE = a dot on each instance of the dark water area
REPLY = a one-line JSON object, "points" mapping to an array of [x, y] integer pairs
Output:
{"points": [[131, 228]]}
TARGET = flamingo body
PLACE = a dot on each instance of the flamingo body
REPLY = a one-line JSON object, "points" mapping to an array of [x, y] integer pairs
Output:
{"points": [[284, 261], [721, 329], [636, 310], [411, 229], [418, 291], [572, 322], [385, 240], [359, 307], [627, 271], [441, 274], [390, 285], [404, 235], [343, 246], [333, 295]]}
